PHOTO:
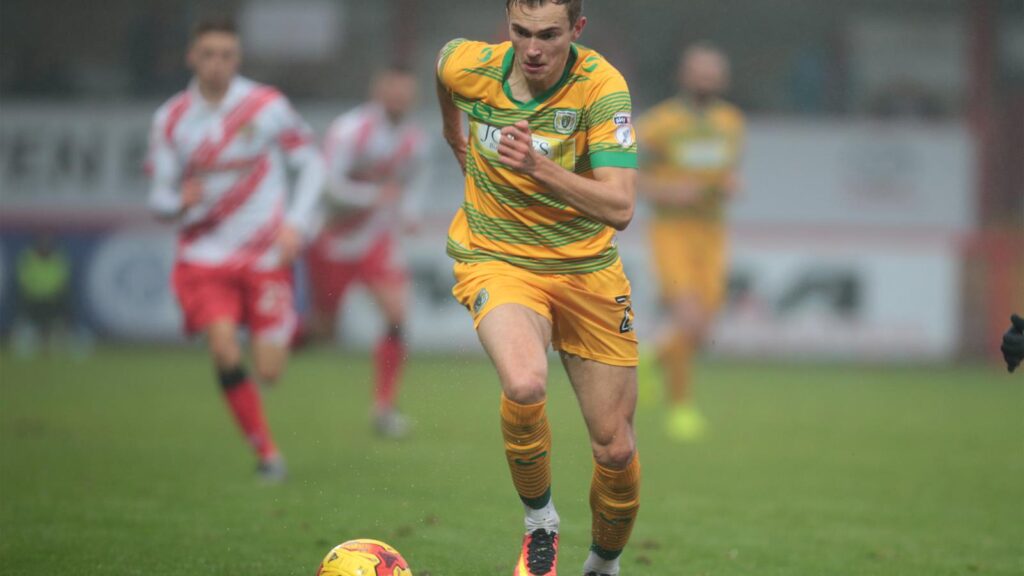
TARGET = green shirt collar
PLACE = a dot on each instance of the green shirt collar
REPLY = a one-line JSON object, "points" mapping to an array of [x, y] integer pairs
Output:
{"points": [[506, 70]]}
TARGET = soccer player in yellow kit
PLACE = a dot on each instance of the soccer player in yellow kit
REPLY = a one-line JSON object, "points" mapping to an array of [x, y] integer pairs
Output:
{"points": [[692, 146], [550, 165]]}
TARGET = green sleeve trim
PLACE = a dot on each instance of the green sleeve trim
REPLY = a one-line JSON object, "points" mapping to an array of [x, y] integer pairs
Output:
{"points": [[613, 160], [446, 52]]}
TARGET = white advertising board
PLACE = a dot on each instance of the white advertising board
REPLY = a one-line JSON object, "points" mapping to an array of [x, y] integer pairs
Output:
{"points": [[798, 289], [795, 172]]}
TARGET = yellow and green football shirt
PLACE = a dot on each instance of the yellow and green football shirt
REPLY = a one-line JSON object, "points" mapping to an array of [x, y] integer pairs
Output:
{"points": [[682, 141], [583, 122]]}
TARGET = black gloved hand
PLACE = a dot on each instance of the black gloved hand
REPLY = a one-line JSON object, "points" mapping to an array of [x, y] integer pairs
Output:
{"points": [[1013, 343]]}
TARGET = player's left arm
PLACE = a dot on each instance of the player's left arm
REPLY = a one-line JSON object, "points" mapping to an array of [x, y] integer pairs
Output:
{"points": [[298, 143], [609, 198]]}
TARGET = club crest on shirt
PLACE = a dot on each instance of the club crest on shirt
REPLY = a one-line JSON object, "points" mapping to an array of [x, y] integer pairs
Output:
{"points": [[565, 121], [481, 300]]}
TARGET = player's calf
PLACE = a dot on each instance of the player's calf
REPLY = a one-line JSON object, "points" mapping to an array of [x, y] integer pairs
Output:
{"points": [[389, 358], [614, 504], [243, 398]]}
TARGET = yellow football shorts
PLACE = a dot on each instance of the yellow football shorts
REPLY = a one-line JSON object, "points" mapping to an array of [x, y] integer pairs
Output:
{"points": [[591, 314], [690, 257]]}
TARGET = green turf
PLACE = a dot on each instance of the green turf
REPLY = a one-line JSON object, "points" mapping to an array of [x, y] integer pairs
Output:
{"points": [[129, 464]]}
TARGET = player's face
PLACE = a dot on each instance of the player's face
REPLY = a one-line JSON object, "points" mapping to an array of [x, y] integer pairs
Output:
{"points": [[396, 92], [705, 74], [214, 57], [541, 37]]}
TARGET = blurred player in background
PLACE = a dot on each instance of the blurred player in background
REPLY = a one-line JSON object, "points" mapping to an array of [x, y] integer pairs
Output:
{"points": [[1013, 343], [377, 174], [218, 157], [43, 280], [692, 147], [550, 175]]}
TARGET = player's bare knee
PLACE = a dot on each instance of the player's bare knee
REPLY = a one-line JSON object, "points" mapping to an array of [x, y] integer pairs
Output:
{"points": [[269, 373], [614, 451], [526, 386]]}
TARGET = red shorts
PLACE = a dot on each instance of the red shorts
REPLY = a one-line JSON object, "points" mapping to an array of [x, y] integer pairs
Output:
{"points": [[261, 300], [330, 278]]}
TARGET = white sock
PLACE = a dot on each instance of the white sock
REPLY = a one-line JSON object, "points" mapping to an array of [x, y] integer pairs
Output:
{"points": [[599, 565], [546, 518]]}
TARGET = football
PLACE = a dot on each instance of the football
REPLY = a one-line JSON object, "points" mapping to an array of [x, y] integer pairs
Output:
{"points": [[364, 558]]}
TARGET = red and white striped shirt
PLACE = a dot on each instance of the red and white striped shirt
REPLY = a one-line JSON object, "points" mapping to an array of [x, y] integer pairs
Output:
{"points": [[365, 153], [239, 150]]}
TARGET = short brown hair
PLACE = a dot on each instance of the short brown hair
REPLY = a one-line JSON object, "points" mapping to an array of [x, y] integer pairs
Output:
{"points": [[575, 7], [209, 24]]}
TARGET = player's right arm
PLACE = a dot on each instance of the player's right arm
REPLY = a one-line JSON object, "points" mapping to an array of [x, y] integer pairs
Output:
{"points": [[171, 194], [451, 117]]}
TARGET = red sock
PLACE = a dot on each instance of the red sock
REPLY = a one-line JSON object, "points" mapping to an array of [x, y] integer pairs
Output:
{"points": [[244, 399], [390, 355]]}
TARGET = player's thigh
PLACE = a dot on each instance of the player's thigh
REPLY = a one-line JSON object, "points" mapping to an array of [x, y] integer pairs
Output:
{"points": [[516, 339], [222, 340], [670, 255], [607, 398], [512, 315], [208, 295], [387, 280], [593, 316], [329, 280], [686, 254], [270, 307], [716, 271], [686, 310], [391, 297]]}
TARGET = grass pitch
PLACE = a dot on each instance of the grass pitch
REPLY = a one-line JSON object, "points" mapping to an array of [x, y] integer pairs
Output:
{"points": [[128, 464]]}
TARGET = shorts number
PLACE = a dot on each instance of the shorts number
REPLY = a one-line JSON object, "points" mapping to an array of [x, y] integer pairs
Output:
{"points": [[273, 298], [627, 315]]}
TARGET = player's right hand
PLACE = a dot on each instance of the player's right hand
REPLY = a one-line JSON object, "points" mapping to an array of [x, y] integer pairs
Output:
{"points": [[191, 193], [1013, 343]]}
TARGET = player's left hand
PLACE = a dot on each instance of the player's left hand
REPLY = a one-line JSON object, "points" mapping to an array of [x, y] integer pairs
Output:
{"points": [[1013, 343], [289, 242], [515, 148]]}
